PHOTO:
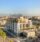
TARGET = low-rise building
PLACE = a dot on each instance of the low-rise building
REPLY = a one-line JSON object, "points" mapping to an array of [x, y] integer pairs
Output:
{"points": [[30, 33]]}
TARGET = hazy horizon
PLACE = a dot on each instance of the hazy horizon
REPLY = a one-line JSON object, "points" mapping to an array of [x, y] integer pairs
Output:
{"points": [[25, 7]]}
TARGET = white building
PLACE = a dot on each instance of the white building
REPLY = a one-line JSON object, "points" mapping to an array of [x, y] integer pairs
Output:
{"points": [[17, 24], [16, 27], [30, 23], [21, 24]]}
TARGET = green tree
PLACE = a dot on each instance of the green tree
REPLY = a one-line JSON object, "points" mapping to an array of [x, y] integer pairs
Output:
{"points": [[2, 34]]}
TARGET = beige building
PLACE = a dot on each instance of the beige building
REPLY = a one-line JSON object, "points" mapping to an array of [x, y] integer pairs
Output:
{"points": [[31, 34], [17, 24], [22, 24]]}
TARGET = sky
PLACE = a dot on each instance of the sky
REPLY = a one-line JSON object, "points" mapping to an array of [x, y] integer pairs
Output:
{"points": [[25, 7]]}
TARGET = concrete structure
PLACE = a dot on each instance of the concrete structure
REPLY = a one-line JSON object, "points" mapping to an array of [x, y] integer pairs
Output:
{"points": [[17, 24], [36, 20], [30, 23], [16, 27], [31, 34], [9, 24], [21, 24]]}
